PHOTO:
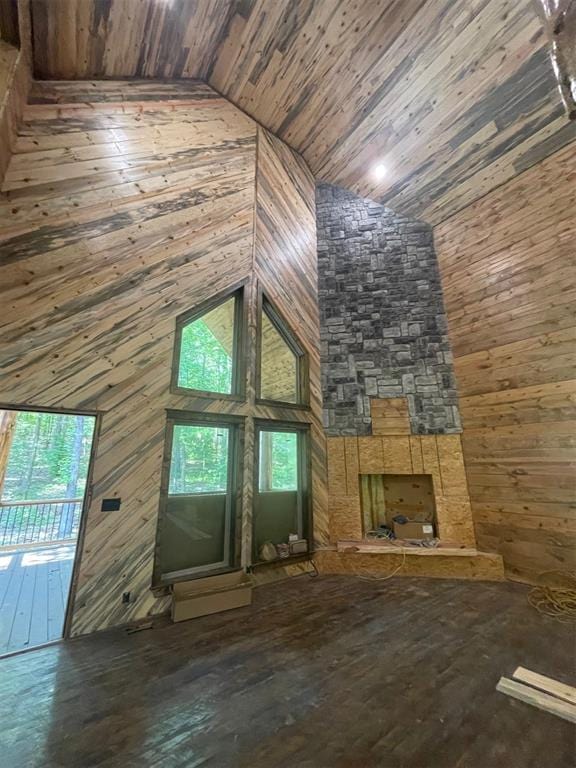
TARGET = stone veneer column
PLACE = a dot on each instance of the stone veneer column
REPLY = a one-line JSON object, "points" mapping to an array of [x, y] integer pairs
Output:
{"points": [[383, 325]]}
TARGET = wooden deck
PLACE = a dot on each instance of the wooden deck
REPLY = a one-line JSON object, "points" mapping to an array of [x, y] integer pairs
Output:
{"points": [[34, 584]]}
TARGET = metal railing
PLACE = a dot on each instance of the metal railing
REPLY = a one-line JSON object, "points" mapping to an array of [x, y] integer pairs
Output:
{"points": [[37, 521]]}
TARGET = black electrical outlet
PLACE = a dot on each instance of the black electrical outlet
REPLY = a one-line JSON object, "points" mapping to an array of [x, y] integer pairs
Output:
{"points": [[126, 597], [110, 505]]}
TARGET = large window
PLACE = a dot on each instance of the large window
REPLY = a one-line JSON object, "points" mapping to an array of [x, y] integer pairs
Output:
{"points": [[208, 340], [282, 363], [199, 500], [278, 461], [281, 496]]}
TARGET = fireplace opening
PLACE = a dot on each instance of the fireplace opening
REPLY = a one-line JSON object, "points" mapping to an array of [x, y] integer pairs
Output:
{"points": [[398, 507]]}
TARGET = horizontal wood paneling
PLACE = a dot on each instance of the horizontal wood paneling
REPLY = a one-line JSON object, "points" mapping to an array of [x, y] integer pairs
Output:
{"points": [[390, 416], [480, 566], [99, 256], [509, 275], [453, 97], [119, 214]]}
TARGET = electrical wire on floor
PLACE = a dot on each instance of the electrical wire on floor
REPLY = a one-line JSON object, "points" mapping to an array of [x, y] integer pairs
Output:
{"points": [[367, 576], [360, 573], [558, 598]]}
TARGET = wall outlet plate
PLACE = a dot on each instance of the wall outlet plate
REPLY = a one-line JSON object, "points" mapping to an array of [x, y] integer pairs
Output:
{"points": [[110, 505]]}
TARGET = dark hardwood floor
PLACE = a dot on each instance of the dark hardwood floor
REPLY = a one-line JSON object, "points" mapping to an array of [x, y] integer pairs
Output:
{"points": [[331, 672]]}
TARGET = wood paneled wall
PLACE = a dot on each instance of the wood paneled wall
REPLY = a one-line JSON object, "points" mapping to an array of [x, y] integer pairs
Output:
{"points": [[508, 265], [119, 215], [285, 265], [15, 71]]}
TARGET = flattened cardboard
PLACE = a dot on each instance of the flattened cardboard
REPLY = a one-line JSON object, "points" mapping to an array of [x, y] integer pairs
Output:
{"points": [[201, 597]]}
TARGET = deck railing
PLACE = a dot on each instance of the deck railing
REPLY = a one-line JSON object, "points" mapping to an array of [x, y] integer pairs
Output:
{"points": [[37, 521]]}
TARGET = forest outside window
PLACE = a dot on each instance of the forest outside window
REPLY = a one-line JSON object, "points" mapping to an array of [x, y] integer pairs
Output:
{"points": [[207, 357], [283, 376], [281, 495], [200, 489]]}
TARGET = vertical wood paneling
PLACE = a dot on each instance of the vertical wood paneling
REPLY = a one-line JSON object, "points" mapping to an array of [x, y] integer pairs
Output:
{"points": [[509, 279], [126, 38], [430, 461], [352, 466], [336, 462], [370, 455]]}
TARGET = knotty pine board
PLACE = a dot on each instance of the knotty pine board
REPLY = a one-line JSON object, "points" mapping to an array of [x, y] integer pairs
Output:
{"points": [[509, 279], [80, 39], [454, 97], [14, 85], [285, 268], [117, 216]]}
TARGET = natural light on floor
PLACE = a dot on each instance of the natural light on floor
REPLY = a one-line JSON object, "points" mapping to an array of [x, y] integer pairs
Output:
{"points": [[42, 556]]}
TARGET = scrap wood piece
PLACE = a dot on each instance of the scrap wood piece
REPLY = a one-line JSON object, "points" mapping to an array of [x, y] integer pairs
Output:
{"points": [[547, 684], [543, 701]]}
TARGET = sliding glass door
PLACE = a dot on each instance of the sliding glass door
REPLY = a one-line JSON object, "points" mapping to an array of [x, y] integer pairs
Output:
{"points": [[281, 496], [199, 499]]}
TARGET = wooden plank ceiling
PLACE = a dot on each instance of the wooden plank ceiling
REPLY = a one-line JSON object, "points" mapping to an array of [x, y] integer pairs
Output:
{"points": [[451, 97]]}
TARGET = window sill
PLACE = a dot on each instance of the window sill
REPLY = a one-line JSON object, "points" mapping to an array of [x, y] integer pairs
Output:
{"points": [[280, 405], [282, 560], [167, 581], [239, 397]]}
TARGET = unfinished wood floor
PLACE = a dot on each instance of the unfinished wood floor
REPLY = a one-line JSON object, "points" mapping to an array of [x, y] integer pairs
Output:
{"points": [[331, 672]]}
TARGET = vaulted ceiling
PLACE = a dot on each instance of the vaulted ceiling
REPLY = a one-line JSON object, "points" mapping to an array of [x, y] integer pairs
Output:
{"points": [[450, 97]]}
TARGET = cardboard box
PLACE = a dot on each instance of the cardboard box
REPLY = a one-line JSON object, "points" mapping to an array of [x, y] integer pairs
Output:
{"points": [[414, 529], [200, 597]]}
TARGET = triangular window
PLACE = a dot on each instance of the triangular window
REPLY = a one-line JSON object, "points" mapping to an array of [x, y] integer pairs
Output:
{"points": [[207, 345], [282, 368]]}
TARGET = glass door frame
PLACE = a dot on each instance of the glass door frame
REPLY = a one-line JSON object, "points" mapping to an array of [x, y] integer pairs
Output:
{"points": [[86, 502], [235, 425], [304, 464]]}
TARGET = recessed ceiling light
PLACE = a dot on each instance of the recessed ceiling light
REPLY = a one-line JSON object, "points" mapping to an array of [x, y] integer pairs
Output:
{"points": [[379, 171]]}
